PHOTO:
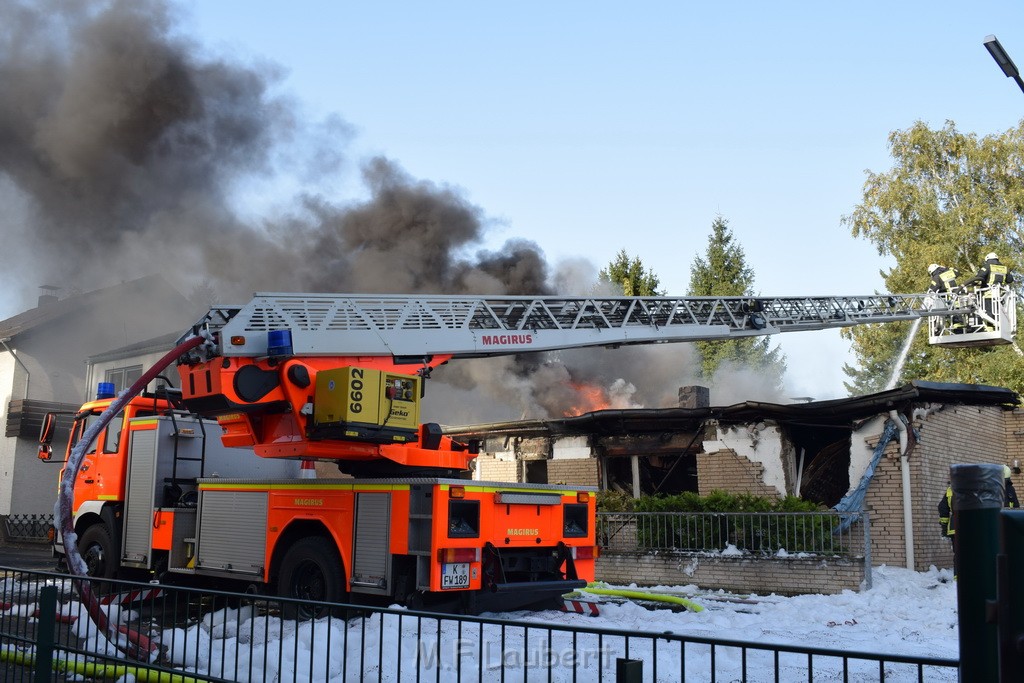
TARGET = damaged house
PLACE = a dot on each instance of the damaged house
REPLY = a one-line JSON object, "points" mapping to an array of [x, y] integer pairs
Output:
{"points": [[43, 353], [887, 453]]}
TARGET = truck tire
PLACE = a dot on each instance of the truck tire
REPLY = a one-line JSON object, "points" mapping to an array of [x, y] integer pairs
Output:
{"points": [[97, 549], [311, 570]]}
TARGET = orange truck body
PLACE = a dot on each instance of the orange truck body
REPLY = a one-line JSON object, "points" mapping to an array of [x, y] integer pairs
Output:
{"points": [[175, 501]]}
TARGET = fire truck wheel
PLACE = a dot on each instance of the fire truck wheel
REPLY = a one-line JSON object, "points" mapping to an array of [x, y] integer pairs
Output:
{"points": [[311, 570], [97, 550]]}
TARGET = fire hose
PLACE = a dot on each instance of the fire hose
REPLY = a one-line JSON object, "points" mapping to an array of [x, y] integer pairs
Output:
{"points": [[132, 643], [597, 588], [97, 671]]}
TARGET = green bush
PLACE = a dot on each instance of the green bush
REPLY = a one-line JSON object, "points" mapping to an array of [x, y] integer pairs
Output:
{"points": [[614, 501]]}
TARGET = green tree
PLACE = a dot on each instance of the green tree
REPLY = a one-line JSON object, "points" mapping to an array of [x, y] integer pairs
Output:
{"points": [[723, 271], [630, 275], [949, 198]]}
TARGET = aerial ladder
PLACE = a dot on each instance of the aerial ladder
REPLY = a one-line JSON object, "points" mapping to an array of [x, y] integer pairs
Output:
{"points": [[257, 370], [414, 329]]}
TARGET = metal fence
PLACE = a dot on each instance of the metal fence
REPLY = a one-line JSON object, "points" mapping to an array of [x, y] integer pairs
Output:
{"points": [[843, 534], [28, 527], [45, 634]]}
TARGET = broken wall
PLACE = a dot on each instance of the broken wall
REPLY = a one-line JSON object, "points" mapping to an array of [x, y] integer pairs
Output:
{"points": [[751, 459]]}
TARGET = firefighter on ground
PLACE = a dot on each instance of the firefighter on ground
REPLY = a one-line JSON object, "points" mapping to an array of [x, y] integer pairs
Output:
{"points": [[1009, 493], [946, 514], [945, 281], [947, 521], [990, 274]]}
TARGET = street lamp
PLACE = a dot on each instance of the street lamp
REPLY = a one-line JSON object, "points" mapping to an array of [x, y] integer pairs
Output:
{"points": [[1003, 60]]}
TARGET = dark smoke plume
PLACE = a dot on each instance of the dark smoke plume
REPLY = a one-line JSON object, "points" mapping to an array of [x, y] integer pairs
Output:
{"points": [[124, 150], [125, 147]]}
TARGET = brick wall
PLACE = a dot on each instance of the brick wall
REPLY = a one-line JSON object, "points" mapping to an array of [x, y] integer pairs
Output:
{"points": [[954, 434], [578, 471], [726, 470], [493, 469], [883, 502], [783, 576], [1014, 435]]}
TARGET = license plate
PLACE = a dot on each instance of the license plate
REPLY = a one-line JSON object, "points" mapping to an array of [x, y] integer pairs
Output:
{"points": [[455, 575]]}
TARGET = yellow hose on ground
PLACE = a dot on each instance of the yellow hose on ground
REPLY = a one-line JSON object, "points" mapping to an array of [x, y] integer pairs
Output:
{"points": [[601, 589], [93, 670]]}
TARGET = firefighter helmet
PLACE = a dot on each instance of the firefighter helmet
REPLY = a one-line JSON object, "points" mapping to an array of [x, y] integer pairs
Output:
{"points": [[991, 256], [932, 268], [1007, 471]]}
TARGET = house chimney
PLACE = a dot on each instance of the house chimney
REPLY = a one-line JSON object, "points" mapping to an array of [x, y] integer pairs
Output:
{"points": [[47, 295], [694, 397]]}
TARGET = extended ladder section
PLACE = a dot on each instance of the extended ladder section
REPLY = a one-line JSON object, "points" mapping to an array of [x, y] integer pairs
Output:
{"points": [[412, 327]]}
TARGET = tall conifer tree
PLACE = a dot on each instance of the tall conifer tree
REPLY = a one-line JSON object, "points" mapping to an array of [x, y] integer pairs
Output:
{"points": [[630, 275], [723, 271]]}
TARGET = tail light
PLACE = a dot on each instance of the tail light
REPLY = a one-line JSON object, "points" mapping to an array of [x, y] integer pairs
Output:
{"points": [[450, 555], [584, 552]]}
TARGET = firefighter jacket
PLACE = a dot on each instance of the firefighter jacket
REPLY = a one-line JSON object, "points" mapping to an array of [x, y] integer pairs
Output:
{"points": [[946, 506], [992, 272], [944, 279], [946, 512]]}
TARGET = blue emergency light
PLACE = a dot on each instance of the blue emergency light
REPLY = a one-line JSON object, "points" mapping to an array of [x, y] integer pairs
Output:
{"points": [[105, 390], [279, 343]]}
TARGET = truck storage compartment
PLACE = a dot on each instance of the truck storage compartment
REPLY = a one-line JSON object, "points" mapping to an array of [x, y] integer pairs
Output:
{"points": [[166, 455], [232, 532]]}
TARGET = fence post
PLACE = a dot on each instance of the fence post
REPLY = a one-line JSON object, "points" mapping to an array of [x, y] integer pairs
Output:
{"points": [[977, 500], [46, 627], [1010, 596], [629, 670]]}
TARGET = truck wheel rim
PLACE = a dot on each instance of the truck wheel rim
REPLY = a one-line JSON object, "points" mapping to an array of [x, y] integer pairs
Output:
{"points": [[94, 560], [309, 582]]}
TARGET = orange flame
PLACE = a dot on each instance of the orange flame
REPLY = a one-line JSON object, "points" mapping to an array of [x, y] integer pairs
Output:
{"points": [[589, 397]]}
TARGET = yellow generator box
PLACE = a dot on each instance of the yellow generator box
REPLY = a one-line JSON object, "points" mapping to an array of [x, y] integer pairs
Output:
{"points": [[360, 403]]}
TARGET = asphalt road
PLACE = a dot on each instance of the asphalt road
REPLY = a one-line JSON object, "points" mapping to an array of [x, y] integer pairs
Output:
{"points": [[36, 556]]}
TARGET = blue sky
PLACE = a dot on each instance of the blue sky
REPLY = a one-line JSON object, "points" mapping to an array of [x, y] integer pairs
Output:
{"points": [[593, 127]]}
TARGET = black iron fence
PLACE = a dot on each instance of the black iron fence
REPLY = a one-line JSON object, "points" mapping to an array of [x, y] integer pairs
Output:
{"points": [[28, 527], [179, 635], [844, 534]]}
